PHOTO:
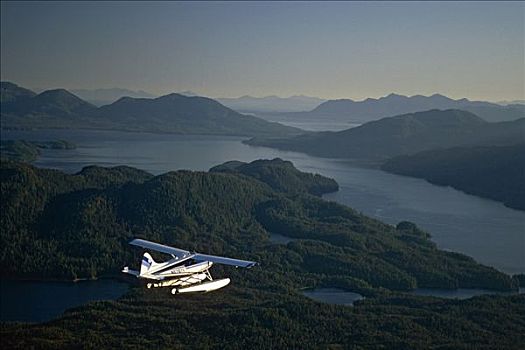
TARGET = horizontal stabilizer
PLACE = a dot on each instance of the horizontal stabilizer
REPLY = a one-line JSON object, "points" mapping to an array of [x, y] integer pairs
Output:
{"points": [[131, 272]]}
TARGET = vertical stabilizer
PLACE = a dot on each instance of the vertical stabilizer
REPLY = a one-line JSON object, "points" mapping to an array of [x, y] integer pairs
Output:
{"points": [[147, 264]]}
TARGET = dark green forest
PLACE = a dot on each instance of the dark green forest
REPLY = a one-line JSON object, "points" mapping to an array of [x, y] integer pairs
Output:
{"points": [[60, 226], [281, 175]]}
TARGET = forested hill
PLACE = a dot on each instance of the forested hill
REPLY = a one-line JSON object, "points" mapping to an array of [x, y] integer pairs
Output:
{"points": [[63, 226], [281, 175], [173, 113], [68, 226], [188, 115], [403, 134], [492, 172]]}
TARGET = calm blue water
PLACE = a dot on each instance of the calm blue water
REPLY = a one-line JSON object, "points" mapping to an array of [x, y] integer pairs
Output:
{"points": [[460, 293], [31, 301], [342, 297], [280, 239], [481, 228]]}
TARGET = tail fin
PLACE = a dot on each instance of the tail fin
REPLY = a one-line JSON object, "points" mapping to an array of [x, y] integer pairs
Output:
{"points": [[147, 263]]}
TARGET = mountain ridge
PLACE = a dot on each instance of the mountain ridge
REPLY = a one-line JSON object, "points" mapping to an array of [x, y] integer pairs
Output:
{"points": [[171, 113], [402, 134], [103, 96], [394, 104], [10, 92], [271, 103]]}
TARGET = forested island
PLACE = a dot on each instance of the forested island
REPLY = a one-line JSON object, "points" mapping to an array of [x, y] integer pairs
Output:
{"points": [[28, 151], [60, 226], [492, 172]]}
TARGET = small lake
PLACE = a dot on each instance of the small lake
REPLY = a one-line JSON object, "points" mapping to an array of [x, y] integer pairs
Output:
{"points": [[280, 239], [333, 296], [31, 301], [342, 297], [462, 293]]}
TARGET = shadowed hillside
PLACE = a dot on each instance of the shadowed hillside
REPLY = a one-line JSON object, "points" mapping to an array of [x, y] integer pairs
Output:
{"points": [[492, 172], [403, 134]]}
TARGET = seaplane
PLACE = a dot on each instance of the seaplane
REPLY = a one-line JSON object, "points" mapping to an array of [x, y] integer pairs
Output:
{"points": [[185, 272]]}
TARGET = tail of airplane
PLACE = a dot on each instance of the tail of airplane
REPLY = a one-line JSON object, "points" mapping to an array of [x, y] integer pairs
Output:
{"points": [[147, 264]]}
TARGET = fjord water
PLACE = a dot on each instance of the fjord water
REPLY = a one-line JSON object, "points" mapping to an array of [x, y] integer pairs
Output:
{"points": [[486, 230], [34, 301], [460, 293], [309, 123]]}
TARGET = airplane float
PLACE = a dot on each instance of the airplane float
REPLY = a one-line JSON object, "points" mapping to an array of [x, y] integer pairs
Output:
{"points": [[185, 272]]}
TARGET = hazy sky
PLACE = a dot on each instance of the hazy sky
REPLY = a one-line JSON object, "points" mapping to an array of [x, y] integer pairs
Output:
{"points": [[332, 50]]}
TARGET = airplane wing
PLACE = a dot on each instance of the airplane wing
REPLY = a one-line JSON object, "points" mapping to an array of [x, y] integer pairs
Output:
{"points": [[160, 247], [223, 260], [197, 256]]}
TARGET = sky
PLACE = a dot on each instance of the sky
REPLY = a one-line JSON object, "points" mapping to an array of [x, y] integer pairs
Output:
{"points": [[227, 49]]}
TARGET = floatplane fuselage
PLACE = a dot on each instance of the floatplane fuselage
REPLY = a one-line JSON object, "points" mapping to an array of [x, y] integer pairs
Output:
{"points": [[185, 272]]}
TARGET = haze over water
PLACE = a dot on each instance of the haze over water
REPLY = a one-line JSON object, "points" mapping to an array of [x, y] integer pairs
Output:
{"points": [[486, 230]]}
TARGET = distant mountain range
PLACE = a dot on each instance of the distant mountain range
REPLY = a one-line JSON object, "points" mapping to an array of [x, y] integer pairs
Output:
{"points": [[173, 113], [249, 104], [189, 93], [301, 107], [514, 102], [401, 135], [270, 104], [100, 97], [393, 104]]}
